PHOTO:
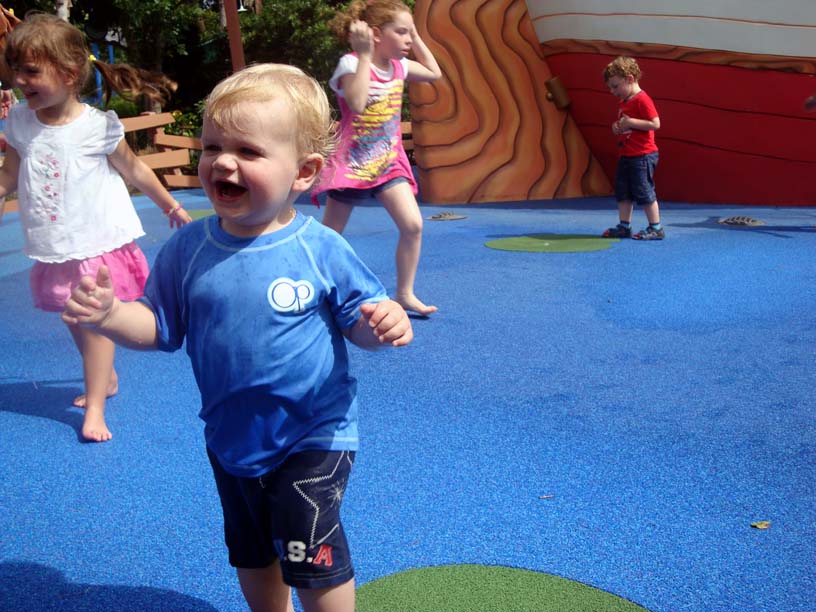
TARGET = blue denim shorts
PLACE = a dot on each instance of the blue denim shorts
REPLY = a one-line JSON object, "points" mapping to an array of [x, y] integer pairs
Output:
{"points": [[634, 181], [290, 514], [355, 196]]}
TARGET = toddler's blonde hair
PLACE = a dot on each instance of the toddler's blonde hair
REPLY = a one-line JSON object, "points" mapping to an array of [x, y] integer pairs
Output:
{"points": [[622, 67], [314, 129]]}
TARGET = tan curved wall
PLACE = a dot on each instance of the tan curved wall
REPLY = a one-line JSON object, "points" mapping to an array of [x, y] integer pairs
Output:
{"points": [[486, 132]]}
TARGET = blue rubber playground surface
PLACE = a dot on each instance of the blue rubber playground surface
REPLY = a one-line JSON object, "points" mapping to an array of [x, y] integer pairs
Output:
{"points": [[619, 418]]}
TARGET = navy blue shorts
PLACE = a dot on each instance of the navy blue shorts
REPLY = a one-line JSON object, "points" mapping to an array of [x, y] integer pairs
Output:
{"points": [[355, 196], [634, 181], [291, 514]]}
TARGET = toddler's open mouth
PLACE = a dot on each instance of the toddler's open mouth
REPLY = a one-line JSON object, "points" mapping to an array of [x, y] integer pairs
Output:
{"points": [[229, 190]]}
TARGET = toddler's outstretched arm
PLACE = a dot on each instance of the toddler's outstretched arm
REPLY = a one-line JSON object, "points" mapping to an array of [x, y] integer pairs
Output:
{"points": [[93, 304], [381, 323]]}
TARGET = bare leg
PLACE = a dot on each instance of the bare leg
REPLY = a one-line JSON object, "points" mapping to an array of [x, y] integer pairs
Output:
{"points": [[652, 213], [264, 589], [336, 214], [625, 211], [97, 364], [113, 384], [113, 388], [339, 598], [400, 203]]}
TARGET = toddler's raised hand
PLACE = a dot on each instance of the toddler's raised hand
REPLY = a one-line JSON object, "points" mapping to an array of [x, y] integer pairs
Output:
{"points": [[92, 301], [389, 322]]}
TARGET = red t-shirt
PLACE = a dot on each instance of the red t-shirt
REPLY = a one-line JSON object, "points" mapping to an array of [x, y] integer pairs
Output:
{"points": [[637, 142]]}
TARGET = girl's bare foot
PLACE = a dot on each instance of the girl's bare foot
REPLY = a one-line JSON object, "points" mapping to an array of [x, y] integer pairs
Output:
{"points": [[113, 389], [94, 428], [412, 303]]}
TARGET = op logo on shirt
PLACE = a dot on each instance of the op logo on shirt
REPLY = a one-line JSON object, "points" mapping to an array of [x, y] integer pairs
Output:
{"points": [[286, 295]]}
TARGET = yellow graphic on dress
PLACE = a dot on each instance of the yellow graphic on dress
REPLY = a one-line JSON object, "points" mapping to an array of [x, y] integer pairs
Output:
{"points": [[376, 136]]}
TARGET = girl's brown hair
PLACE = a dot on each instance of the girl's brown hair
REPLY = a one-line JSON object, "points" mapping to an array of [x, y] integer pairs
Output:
{"points": [[45, 38], [376, 13]]}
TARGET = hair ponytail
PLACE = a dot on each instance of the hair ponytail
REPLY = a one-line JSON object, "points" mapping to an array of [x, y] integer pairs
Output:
{"points": [[131, 82]]}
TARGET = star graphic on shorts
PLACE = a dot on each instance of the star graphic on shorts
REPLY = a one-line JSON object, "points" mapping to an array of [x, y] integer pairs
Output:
{"points": [[338, 488]]}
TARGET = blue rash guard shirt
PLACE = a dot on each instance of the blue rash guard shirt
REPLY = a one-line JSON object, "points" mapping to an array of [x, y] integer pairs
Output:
{"points": [[262, 318]]}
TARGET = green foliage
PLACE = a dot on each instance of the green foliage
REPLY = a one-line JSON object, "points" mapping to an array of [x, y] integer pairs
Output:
{"points": [[188, 123], [153, 28], [21, 7], [293, 32], [123, 107]]}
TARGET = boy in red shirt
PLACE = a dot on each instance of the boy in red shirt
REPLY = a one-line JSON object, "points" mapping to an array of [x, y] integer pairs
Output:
{"points": [[635, 128]]}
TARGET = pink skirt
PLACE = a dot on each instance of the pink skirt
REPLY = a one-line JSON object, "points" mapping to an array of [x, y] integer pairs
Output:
{"points": [[52, 283]]}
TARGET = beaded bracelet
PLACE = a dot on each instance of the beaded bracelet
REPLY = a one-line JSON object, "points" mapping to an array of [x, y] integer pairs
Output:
{"points": [[173, 210]]}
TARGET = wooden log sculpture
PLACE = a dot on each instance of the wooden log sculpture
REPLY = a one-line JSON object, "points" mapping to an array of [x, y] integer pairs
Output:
{"points": [[487, 130]]}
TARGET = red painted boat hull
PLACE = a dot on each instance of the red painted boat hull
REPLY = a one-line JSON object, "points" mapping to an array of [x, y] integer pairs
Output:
{"points": [[728, 134]]}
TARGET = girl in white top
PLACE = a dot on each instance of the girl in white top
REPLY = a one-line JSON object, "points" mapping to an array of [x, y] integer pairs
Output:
{"points": [[67, 161]]}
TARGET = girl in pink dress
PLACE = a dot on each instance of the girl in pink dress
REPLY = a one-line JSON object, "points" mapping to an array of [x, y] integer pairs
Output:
{"points": [[370, 160]]}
